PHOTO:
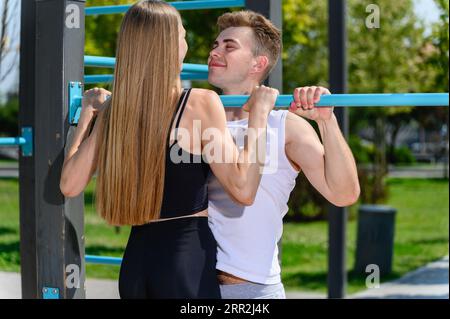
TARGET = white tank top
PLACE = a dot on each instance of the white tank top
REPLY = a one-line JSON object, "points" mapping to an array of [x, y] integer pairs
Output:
{"points": [[247, 236]]}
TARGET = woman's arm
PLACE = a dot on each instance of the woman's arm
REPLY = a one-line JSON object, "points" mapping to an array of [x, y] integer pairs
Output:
{"points": [[239, 172], [81, 160]]}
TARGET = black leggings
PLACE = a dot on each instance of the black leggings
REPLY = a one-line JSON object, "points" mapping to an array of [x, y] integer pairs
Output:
{"points": [[170, 259]]}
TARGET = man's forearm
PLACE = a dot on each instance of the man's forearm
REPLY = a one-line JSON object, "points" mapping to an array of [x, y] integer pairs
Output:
{"points": [[340, 167]]}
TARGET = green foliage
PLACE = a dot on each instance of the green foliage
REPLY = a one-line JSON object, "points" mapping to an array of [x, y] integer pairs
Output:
{"points": [[305, 202], [438, 54], [305, 43], [403, 155], [362, 153], [385, 59], [101, 36], [8, 116]]}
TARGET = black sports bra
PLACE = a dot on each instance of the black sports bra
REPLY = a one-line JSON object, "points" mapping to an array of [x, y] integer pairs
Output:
{"points": [[185, 182]]}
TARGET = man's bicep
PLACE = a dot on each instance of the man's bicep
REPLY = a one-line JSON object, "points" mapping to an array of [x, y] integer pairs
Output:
{"points": [[308, 154], [303, 146], [306, 150]]}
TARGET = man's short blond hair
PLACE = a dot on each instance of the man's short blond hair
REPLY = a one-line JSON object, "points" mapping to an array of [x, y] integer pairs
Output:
{"points": [[267, 35]]}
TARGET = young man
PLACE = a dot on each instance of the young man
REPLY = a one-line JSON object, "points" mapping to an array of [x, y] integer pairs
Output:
{"points": [[243, 55]]}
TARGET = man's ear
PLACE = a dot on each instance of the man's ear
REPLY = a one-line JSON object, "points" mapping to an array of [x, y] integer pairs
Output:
{"points": [[260, 64]]}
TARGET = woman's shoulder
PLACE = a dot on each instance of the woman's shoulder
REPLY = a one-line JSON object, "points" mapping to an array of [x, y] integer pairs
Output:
{"points": [[204, 95], [206, 102]]}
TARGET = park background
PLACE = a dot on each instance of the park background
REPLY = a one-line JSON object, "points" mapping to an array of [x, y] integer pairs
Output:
{"points": [[402, 152]]}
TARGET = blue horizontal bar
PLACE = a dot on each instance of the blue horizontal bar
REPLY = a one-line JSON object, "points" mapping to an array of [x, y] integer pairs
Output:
{"points": [[98, 78], [197, 68], [395, 99], [103, 260], [107, 62], [9, 141], [355, 100], [99, 61], [179, 5], [25, 141], [194, 76], [103, 78]]}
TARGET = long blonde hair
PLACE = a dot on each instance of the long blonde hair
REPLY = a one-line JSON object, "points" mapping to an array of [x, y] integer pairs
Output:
{"points": [[135, 126]]}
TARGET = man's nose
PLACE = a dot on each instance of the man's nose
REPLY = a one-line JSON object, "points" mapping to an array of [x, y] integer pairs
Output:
{"points": [[214, 53]]}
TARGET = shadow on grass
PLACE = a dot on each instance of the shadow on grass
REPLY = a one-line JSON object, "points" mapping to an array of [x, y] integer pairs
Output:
{"points": [[10, 247], [10, 253], [89, 197], [407, 181], [428, 241], [100, 250], [7, 231]]}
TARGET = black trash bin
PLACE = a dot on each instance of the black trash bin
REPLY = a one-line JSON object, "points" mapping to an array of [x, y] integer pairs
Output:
{"points": [[375, 238]]}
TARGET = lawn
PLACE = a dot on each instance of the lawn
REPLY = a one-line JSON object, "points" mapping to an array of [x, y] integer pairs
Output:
{"points": [[9, 163], [421, 236]]}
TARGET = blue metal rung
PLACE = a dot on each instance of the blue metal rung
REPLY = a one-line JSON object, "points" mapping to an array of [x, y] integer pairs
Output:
{"points": [[27, 147], [10, 141], [99, 78], [108, 62], [194, 76], [75, 98], [50, 293], [99, 61], [196, 68], [179, 5], [103, 260], [25, 141], [354, 100]]}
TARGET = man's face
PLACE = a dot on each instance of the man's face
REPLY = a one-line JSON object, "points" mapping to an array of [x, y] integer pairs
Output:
{"points": [[183, 47], [231, 58]]}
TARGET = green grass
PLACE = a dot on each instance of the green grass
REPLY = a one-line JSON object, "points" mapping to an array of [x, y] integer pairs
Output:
{"points": [[421, 236], [8, 162]]}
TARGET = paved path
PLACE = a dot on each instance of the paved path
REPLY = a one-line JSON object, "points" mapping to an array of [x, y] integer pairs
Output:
{"points": [[428, 282]]}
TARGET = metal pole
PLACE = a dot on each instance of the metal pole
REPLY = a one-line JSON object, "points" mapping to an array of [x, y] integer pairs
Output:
{"points": [[27, 169], [52, 238], [337, 216]]}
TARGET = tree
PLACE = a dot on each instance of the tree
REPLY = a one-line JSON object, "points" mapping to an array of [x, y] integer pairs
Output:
{"points": [[305, 42], [9, 38], [8, 115], [382, 60]]}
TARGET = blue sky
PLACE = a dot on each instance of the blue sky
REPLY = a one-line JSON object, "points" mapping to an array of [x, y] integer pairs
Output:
{"points": [[425, 9]]}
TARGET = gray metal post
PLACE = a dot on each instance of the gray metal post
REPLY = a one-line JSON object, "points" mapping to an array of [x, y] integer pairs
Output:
{"points": [[26, 164], [52, 227], [271, 9], [337, 216]]}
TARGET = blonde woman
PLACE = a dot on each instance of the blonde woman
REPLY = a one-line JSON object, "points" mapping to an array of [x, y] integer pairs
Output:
{"points": [[135, 146]]}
